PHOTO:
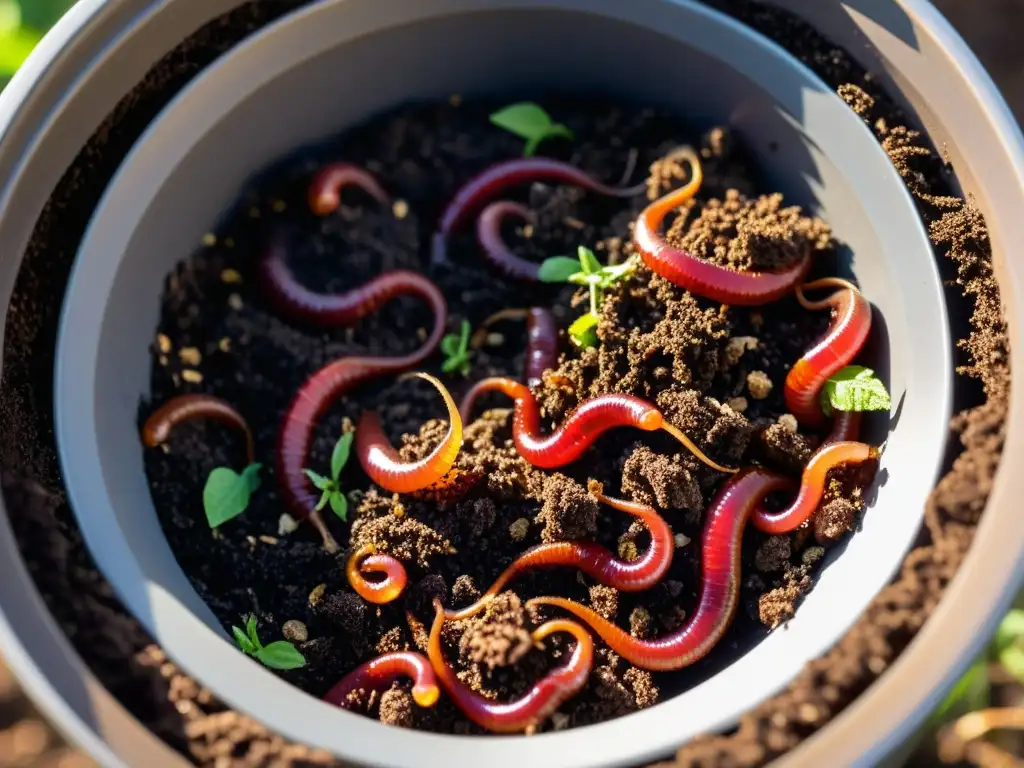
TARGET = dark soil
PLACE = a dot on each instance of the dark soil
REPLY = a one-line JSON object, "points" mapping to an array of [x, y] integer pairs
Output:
{"points": [[685, 354], [190, 718]]}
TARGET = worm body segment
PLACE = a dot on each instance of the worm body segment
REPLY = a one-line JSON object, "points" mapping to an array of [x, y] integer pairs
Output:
{"points": [[582, 427], [720, 582], [812, 486], [546, 695], [541, 339], [593, 559], [385, 467], [378, 675], [366, 560], [157, 428], [501, 176], [500, 256], [325, 189], [331, 382], [847, 332], [700, 277]]}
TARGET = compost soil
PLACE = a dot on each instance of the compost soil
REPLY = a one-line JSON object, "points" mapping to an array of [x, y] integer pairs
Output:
{"points": [[191, 719], [715, 372]]}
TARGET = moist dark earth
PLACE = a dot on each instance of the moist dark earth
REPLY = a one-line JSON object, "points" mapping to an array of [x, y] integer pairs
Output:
{"points": [[714, 371], [191, 719]]}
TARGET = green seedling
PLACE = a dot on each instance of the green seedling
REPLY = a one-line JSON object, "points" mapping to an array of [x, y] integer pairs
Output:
{"points": [[330, 487], [529, 121], [456, 350], [855, 388], [587, 271], [227, 493], [279, 655]]}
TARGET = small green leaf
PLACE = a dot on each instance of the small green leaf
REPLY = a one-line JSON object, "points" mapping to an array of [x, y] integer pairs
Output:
{"points": [[1012, 659], [583, 331], [340, 454], [250, 629], [525, 119], [281, 655], [15, 46], [464, 330], [322, 483], [1010, 631], [608, 276], [251, 476], [226, 494], [455, 363], [450, 345], [854, 388], [243, 642], [339, 504], [588, 260], [324, 498], [558, 269], [530, 147]]}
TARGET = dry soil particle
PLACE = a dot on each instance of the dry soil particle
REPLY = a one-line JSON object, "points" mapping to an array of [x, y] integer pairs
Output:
{"points": [[190, 718]]}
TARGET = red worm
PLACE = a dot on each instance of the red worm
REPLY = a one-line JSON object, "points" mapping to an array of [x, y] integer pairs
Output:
{"points": [[158, 426], [720, 582], [378, 675], [593, 559], [501, 257], [334, 380], [546, 695], [701, 277], [366, 560], [851, 323], [325, 189], [541, 339], [845, 427], [509, 173], [385, 467], [812, 486], [583, 426]]}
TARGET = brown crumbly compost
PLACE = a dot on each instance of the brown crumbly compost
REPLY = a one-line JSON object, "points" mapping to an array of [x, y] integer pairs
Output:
{"points": [[192, 720]]}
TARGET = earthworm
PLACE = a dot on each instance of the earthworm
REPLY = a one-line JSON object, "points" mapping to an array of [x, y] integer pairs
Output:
{"points": [[325, 189], [378, 675], [701, 277], [331, 382], [583, 426], [812, 486], [366, 560], [158, 426], [500, 176], [541, 339], [385, 467], [720, 582], [845, 427], [500, 256], [298, 304], [546, 695], [847, 332], [593, 559]]}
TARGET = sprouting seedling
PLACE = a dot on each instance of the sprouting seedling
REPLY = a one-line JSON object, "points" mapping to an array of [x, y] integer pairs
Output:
{"points": [[855, 388], [227, 493], [529, 121], [330, 487], [585, 270], [456, 350], [277, 655]]}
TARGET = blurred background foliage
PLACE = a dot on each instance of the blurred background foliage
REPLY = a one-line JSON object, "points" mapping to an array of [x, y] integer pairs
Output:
{"points": [[22, 24]]}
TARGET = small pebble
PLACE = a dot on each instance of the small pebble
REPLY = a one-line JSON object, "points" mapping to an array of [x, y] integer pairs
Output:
{"points": [[192, 377], [495, 339], [788, 422], [317, 594], [286, 524], [230, 276], [209, 239], [163, 343], [162, 359], [682, 540], [235, 302], [738, 404], [812, 555], [518, 530], [528, 230], [224, 345], [190, 356], [759, 384], [400, 209], [559, 721], [295, 631]]}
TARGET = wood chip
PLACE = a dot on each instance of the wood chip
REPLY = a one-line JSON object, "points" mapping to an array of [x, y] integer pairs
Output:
{"points": [[235, 302], [163, 343], [190, 356], [268, 539], [400, 209], [192, 377]]}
